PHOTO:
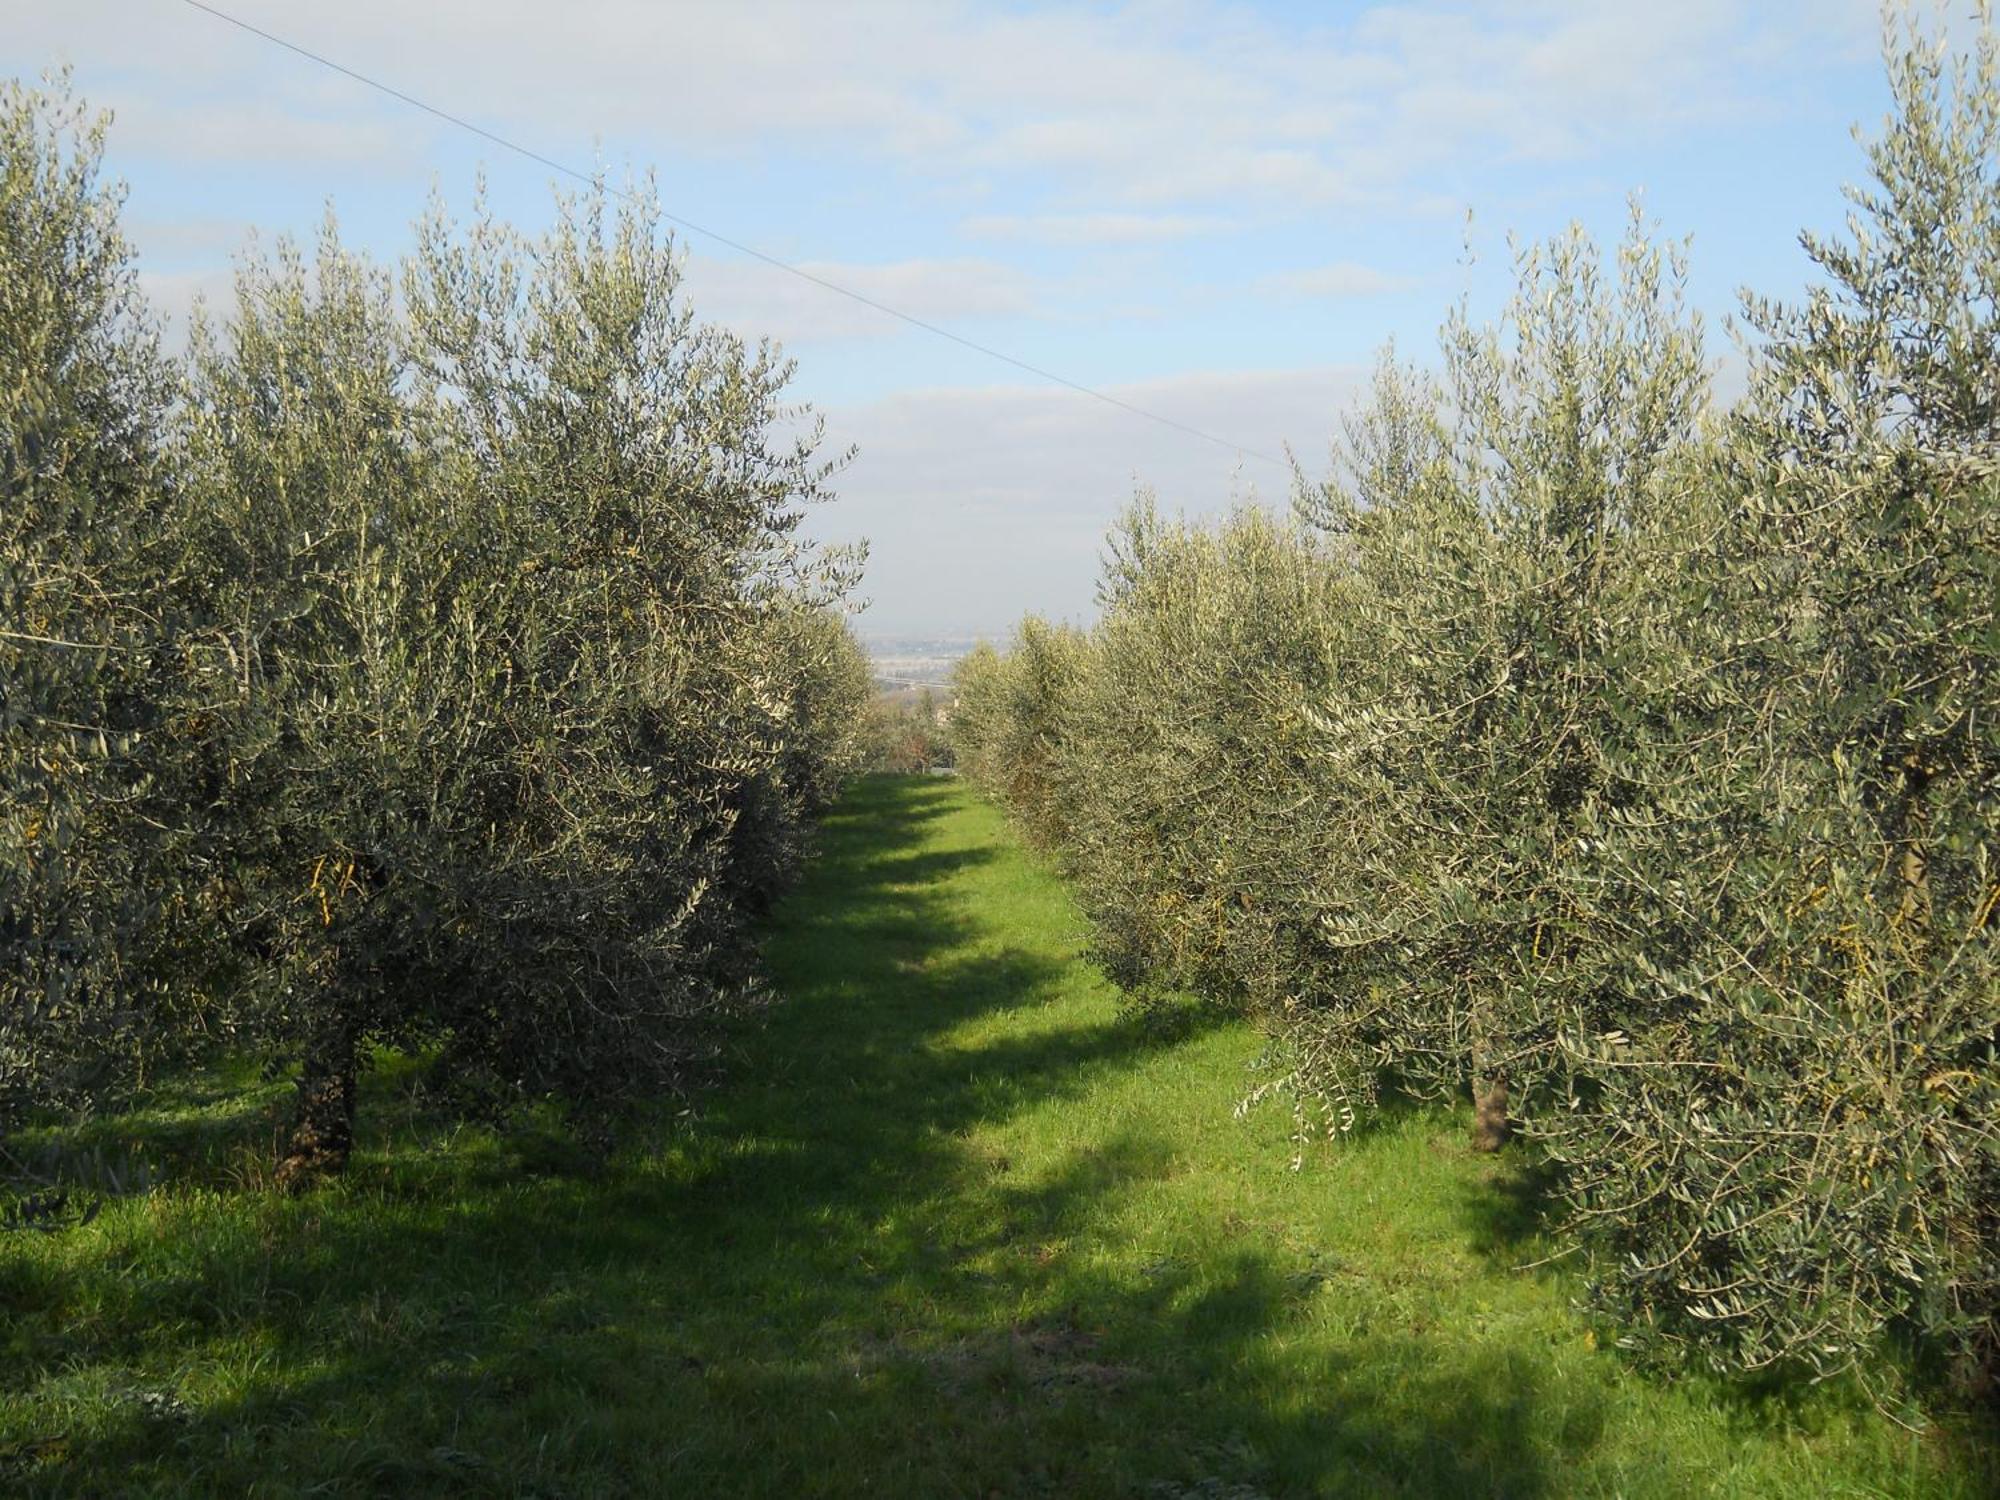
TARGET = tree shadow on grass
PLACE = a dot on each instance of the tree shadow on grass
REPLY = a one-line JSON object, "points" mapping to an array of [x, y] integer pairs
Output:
{"points": [[562, 1341], [1508, 1212], [827, 1283]]}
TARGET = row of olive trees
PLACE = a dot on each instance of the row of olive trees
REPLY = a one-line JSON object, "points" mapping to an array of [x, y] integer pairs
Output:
{"points": [[1631, 767], [426, 661], [906, 736]]}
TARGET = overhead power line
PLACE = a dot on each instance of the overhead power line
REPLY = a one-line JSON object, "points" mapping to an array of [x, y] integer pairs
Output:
{"points": [[589, 179]]}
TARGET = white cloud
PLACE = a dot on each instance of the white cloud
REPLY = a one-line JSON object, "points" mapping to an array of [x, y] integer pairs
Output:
{"points": [[264, 131], [1167, 109], [184, 261], [1094, 228], [204, 241], [980, 504], [172, 296], [1341, 279], [758, 298]]}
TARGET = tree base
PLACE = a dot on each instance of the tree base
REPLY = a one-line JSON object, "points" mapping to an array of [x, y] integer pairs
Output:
{"points": [[322, 1135], [1491, 1127]]}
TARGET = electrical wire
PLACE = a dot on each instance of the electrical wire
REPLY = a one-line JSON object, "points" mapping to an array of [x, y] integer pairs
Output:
{"points": [[588, 179]]}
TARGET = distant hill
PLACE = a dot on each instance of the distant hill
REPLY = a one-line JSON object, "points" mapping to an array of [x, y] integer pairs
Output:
{"points": [[911, 661]]}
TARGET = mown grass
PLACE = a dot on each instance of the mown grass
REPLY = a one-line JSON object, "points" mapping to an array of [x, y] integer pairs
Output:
{"points": [[958, 1225]]}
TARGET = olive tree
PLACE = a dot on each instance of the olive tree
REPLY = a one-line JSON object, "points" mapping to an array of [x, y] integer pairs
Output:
{"points": [[683, 700], [352, 788], [1508, 529], [89, 628], [1804, 1150], [522, 688]]}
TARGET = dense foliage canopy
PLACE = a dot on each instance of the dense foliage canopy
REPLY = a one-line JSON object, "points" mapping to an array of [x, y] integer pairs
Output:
{"points": [[434, 665], [1631, 766]]}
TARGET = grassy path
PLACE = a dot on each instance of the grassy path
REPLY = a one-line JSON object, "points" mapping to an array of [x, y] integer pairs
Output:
{"points": [[958, 1228]]}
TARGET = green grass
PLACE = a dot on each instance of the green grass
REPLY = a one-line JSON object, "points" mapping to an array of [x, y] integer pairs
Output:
{"points": [[956, 1226]]}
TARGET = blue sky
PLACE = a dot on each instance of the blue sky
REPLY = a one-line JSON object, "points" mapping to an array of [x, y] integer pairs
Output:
{"points": [[1217, 211]]}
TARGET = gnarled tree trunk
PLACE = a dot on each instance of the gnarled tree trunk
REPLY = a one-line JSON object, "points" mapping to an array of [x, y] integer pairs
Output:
{"points": [[322, 1135], [1490, 1125]]}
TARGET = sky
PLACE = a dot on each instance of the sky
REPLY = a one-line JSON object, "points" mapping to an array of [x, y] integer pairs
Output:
{"points": [[1217, 212]]}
